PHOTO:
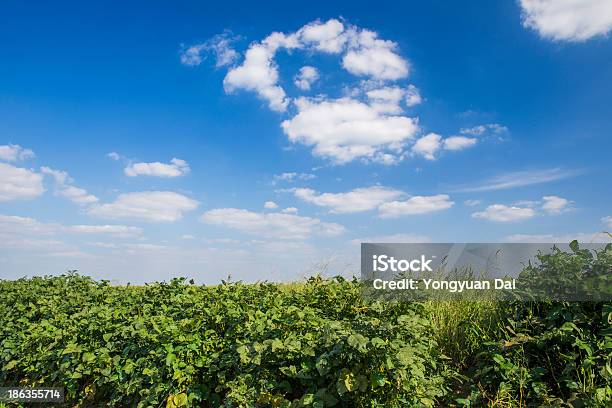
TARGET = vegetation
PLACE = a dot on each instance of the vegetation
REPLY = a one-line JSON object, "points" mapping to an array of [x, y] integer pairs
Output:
{"points": [[317, 344]]}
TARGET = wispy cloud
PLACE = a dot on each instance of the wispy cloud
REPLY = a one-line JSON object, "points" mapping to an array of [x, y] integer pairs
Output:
{"points": [[12, 152], [64, 187], [273, 225], [520, 179], [220, 46], [155, 206]]}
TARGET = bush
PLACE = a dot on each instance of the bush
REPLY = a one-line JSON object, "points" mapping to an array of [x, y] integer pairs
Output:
{"points": [[318, 344]]}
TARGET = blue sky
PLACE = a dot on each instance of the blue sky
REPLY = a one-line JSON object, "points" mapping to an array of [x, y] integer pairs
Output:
{"points": [[140, 142]]}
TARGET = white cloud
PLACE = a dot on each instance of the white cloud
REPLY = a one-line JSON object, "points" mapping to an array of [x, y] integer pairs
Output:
{"points": [[121, 231], [370, 56], [259, 72], [13, 153], [105, 245], [64, 188], [427, 146], [292, 176], [607, 221], [154, 206], [369, 126], [306, 77], [394, 239], [77, 195], [270, 205], [503, 213], [113, 156], [520, 179], [357, 200], [272, 225], [554, 204], [364, 55], [175, 168], [480, 130], [328, 37], [289, 210], [220, 45], [590, 237], [458, 142], [18, 183], [16, 225], [471, 203], [413, 96], [569, 20], [187, 237], [386, 99], [415, 205], [13, 224], [430, 144], [346, 129]]}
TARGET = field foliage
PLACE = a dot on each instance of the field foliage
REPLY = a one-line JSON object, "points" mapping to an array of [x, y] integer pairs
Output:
{"points": [[316, 344]]}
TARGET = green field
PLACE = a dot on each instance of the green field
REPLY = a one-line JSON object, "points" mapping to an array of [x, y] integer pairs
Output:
{"points": [[312, 344]]}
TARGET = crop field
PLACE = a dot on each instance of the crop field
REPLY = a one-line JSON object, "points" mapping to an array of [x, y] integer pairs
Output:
{"points": [[314, 344]]}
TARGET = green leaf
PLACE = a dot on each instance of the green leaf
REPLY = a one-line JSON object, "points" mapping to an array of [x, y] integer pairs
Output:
{"points": [[180, 400], [377, 380], [358, 341], [10, 365], [170, 358], [87, 357], [574, 246]]}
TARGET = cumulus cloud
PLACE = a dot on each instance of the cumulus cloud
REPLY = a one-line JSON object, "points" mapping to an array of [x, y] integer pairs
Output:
{"points": [[328, 37], [386, 99], [427, 146], [64, 187], [12, 153], [368, 122], [415, 205], [220, 46], [259, 72], [413, 96], [370, 56], [271, 225], [345, 129], [175, 168], [17, 183], [270, 205], [568, 20], [458, 142], [554, 204], [364, 55], [289, 210], [357, 200], [77, 195], [155, 206], [306, 77], [504, 213]]}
